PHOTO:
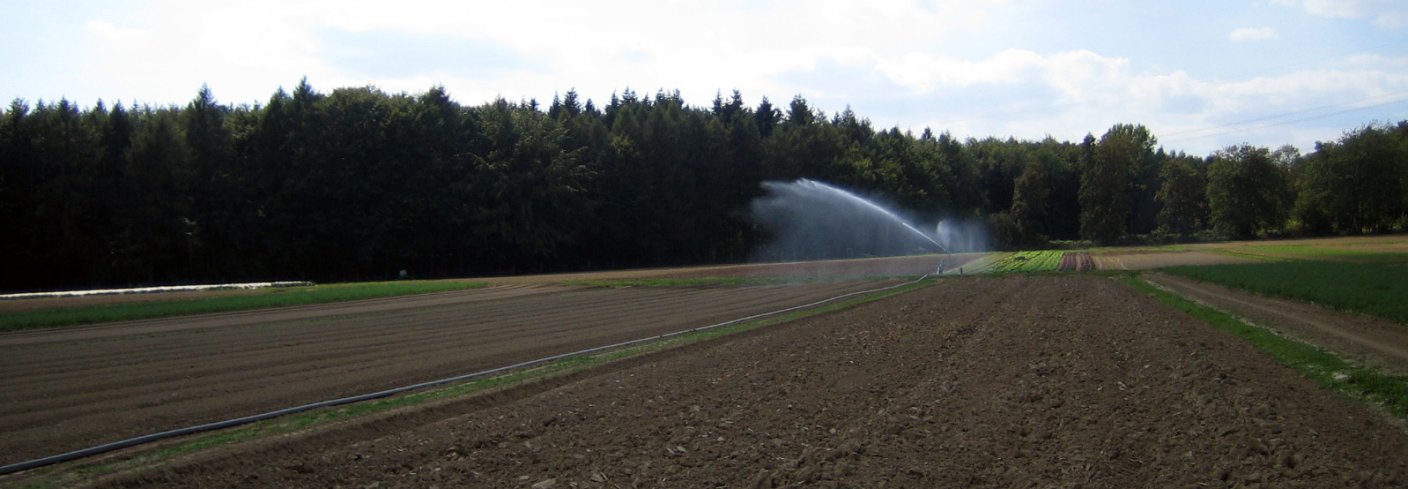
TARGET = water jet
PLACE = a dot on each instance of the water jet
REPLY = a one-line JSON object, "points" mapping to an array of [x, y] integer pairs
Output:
{"points": [[809, 220]]}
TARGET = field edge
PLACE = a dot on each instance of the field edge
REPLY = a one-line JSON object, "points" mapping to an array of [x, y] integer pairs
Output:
{"points": [[1359, 382]]}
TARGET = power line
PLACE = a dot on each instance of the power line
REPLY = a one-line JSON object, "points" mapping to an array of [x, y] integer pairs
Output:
{"points": [[1292, 121], [1337, 55], [1231, 125], [1036, 107]]}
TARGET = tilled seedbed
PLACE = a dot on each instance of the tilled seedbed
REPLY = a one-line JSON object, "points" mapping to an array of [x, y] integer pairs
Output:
{"points": [[68, 388], [1017, 381], [1151, 260]]}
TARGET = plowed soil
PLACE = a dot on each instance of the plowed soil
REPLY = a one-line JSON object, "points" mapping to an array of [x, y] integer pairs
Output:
{"points": [[840, 269], [832, 269], [1056, 381], [69, 388]]}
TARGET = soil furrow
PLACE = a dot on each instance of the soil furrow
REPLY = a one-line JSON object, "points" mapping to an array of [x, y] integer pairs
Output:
{"points": [[169, 376], [977, 382]]}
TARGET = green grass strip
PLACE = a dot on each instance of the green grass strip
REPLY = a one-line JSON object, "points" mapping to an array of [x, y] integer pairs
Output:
{"points": [[982, 264], [1317, 252], [1367, 288], [263, 298], [1365, 383], [63, 476]]}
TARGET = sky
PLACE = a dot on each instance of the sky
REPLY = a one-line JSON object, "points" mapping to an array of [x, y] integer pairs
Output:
{"points": [[1201, 75]]}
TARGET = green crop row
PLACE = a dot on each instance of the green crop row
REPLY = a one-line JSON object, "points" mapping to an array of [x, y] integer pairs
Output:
{"points": [[1375, 289], [1028, 261]]}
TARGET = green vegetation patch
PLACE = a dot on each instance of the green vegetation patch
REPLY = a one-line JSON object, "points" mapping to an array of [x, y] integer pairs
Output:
{"points": [[263, 298], [62, 476], [1367, 288], [1362, 382], [1028, 261], [1318, 252], [980, 264]]}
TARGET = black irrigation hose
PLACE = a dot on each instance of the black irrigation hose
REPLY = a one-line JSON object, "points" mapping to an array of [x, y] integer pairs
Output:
{"points": [[230, 423]]}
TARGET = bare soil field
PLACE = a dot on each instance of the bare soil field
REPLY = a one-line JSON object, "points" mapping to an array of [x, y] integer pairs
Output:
{"points": [[1016, 381], [896, 266], [68, 388], [1366, 339], [829, 269], [1151, 260]]}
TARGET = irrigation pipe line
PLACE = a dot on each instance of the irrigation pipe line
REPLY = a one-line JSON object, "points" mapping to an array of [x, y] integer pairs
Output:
{"points": [[230, 423]]}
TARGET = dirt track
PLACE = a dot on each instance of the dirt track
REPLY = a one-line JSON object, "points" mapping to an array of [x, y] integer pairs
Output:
{"points": [[73, 387], [1064, 381], [1367, 339]]}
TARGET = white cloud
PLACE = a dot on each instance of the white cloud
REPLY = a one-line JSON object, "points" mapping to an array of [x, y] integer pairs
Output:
{"points": [[923, 72], [699, 48], [1374, 60], [1336, 8], [1076, 76], [1386, 13], [1252, 34], [1081, 76], [241, 50], [107, 32], [1070, 93]]}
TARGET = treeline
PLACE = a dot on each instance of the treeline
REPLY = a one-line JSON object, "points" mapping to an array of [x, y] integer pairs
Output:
{"points": [[359, 184]]}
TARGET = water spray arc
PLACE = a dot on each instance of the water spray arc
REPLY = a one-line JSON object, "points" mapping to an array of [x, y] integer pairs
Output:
{"points": [[808, 219], [873, 206]]}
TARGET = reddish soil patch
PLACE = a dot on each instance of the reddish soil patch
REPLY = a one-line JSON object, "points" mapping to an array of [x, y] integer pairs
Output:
{"points": [[1367, 339], [1076, 262], [1061, 381], [1146, 261], [69, 388]]}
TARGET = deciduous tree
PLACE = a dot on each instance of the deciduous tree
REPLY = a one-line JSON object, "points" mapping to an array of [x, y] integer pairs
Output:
{"points": [[1183, 197], [1246, 191], [1108, 192]]}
